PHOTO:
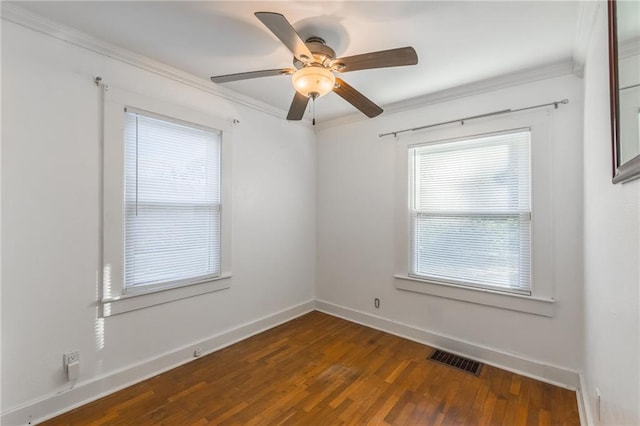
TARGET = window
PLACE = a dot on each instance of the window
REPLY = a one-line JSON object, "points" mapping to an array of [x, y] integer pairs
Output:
{"points": [[470, 211], [172, 202], [166, 228]]}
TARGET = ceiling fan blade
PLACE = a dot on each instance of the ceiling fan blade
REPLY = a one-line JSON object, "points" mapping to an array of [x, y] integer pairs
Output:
{"points": [[252, 74], [381, 59], [356, 99], [282, 29], [298, 106]]}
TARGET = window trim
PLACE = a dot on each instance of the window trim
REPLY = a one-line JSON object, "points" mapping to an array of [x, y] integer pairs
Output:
{"points": [[541, 301], [479, 295], [115, 298], [133, 301]]}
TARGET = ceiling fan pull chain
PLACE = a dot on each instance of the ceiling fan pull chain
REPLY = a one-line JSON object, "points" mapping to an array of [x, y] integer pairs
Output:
{"points": [[313, 109]]}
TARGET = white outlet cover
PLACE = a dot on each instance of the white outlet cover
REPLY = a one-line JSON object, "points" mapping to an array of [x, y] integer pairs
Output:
{"points": [[71, 357]]}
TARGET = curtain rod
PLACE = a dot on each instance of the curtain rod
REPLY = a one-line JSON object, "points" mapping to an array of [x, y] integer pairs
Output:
{"points": [[462, 120]]}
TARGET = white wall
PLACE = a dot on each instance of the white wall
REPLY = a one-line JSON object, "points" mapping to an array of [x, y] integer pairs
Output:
{"points": [[611, 257], [51, 212], [356, 196]]}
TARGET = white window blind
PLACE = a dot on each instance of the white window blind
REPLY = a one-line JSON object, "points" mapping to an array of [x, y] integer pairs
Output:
{"points": [[172, 202], [470, 211]]}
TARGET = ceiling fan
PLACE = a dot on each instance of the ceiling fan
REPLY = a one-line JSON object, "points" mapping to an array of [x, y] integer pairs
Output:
{"points": [[315, 64]]}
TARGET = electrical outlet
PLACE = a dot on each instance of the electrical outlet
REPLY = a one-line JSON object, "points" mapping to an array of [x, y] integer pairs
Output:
{"points": [[71, 361], [197, 352], [70, 358], [376, 303], [598, 405]]}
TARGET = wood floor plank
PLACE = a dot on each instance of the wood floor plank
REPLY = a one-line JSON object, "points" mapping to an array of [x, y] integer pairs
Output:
{"points": [[322, 370]]}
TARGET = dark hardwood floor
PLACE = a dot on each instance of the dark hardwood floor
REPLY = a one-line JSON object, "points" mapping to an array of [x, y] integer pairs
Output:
{"points": [[322, 370]]}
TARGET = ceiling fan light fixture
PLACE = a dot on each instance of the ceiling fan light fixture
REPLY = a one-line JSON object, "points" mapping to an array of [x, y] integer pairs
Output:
{"points": [[313, 81]]}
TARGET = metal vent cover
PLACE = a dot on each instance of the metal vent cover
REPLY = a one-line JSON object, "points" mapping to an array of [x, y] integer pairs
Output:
{"points": [[463, 364]]}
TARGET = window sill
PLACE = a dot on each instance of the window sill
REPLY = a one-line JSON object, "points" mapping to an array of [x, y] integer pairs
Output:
{"points": [[515, 302], [131, 302]]}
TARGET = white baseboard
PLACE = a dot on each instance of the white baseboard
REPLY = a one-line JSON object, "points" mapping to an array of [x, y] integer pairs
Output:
{"points": [[95, 388], [584, 403], [527, 367]]}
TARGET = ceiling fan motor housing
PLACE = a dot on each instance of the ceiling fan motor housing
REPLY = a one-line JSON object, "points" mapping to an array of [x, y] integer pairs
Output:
{"points": [[322, 54]]}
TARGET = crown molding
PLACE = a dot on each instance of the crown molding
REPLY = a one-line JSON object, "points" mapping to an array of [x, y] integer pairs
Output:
{"points": [[555, 69], [12, 13], [587, 15]]}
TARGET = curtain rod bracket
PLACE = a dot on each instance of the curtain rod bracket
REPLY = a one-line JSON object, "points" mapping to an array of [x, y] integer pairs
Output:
{"points": [[98, 81]]}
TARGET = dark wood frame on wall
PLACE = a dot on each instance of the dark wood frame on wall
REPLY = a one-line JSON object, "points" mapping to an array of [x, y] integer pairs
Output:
{"points": [[631, 169]]}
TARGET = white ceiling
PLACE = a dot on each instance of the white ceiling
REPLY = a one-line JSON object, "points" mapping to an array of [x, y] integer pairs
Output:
{"points": [[456, 42]]}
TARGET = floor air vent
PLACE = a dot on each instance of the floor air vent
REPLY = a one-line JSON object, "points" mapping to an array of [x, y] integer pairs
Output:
{"points": [[455, 361]]}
